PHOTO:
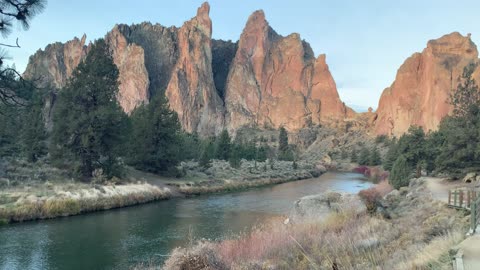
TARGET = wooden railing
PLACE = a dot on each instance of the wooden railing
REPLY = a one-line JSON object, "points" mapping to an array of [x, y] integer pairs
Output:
{"points": [[475, 215], [462, 198]]}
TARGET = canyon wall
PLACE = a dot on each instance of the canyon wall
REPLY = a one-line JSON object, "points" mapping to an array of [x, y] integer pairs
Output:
{"points": [[264, 80], [421, 90]]}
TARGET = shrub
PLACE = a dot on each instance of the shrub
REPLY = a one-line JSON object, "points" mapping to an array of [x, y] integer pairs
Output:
{"points": [[370, 197], [400, 173], [381, 139], [202, 256]]}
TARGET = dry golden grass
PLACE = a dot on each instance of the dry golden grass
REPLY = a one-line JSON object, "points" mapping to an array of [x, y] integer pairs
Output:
{"points": [[412, 239], [82, 201]]}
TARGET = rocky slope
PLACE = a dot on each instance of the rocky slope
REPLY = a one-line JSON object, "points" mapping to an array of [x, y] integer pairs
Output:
{"points": [[420, 93], [264, 79], [276, 80]]}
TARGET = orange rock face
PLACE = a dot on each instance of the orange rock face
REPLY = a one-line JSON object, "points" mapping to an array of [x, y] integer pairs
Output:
{"points": [[420, 94], [133, 75], [54, 65], [277, 81], [264, 80], [191, 90]]}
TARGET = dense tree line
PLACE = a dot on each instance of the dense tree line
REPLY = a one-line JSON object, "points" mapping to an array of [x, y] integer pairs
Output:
{"points": [[366, 156]]}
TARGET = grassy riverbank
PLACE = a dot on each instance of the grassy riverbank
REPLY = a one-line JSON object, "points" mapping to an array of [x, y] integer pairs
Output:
{"points": [[29, 196], [221, 177], [50, 201], [407, 230]]}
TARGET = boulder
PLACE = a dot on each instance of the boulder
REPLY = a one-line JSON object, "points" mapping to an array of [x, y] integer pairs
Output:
{"points": [[470, 177], [319, 206]]}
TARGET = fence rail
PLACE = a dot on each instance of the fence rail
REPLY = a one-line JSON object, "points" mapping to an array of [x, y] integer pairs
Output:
{"points": [[462, 198], [466, 199]]}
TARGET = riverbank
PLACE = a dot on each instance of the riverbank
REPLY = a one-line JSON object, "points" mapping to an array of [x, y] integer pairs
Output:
{"points": [[221, 177], [407, 229], [50, 201], [39, 199]]}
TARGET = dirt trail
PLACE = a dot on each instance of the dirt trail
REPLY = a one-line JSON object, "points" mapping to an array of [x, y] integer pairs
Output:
{"points": [[471, 252], [470, 246], [439, 187]]}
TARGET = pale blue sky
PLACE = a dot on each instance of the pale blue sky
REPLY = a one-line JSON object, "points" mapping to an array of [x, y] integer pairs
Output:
{"points": [[365, 41]]}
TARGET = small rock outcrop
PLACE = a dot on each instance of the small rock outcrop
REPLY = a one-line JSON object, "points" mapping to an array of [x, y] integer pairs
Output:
{"points": [[421, 90]]}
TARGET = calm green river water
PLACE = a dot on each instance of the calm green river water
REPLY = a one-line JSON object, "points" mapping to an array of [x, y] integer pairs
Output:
{"points": [[121, 238]]}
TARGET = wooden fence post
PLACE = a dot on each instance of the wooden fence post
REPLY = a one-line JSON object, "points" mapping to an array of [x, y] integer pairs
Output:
{"points": [[473, 216], [455, 198]]}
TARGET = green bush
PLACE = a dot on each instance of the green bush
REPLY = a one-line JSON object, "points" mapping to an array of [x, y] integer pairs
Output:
{"points": [[401, 172]]}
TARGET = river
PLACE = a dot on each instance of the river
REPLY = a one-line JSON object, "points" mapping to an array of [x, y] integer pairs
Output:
{"points": [[121, 238]]}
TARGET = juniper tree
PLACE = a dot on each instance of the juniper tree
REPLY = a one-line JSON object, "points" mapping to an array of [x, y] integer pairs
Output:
{"points": [[156, 137], [89, 125]]}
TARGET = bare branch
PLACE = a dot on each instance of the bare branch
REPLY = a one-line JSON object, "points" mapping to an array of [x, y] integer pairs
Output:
{"points": [[11, 46]]}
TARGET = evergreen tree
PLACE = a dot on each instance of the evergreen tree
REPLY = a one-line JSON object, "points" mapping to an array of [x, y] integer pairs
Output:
{"points": [[412, 146], [354, 156], [22, 12], [294, 164], [466, 98], [262, 153], [207, 155], [282, 140], [401, 172], [460, 132], [375, 158], [284, 150], [156, 137], [391, 157], [364, 157], [88, 122], [33, 132], [223, 147], [191, 146], [235, 160]]}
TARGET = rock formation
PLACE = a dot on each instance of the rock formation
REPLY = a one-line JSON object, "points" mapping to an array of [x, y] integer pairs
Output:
{"points": [[191, 90], [421, 90], [276, 81], [133, 75], [263, 80], [53, 66]]}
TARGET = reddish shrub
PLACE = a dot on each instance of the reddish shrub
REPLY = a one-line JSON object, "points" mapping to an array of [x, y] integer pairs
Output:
{"points": [[372, 196], [362, 169]]}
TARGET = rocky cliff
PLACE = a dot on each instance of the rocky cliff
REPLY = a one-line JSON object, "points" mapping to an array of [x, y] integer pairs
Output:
{"points": [[191, 91], [263, 80], [277, 81], [53, 66], [421, 90]]}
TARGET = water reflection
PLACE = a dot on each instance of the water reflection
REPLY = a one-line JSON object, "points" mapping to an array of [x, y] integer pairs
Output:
{"points": [[120, 238]]}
